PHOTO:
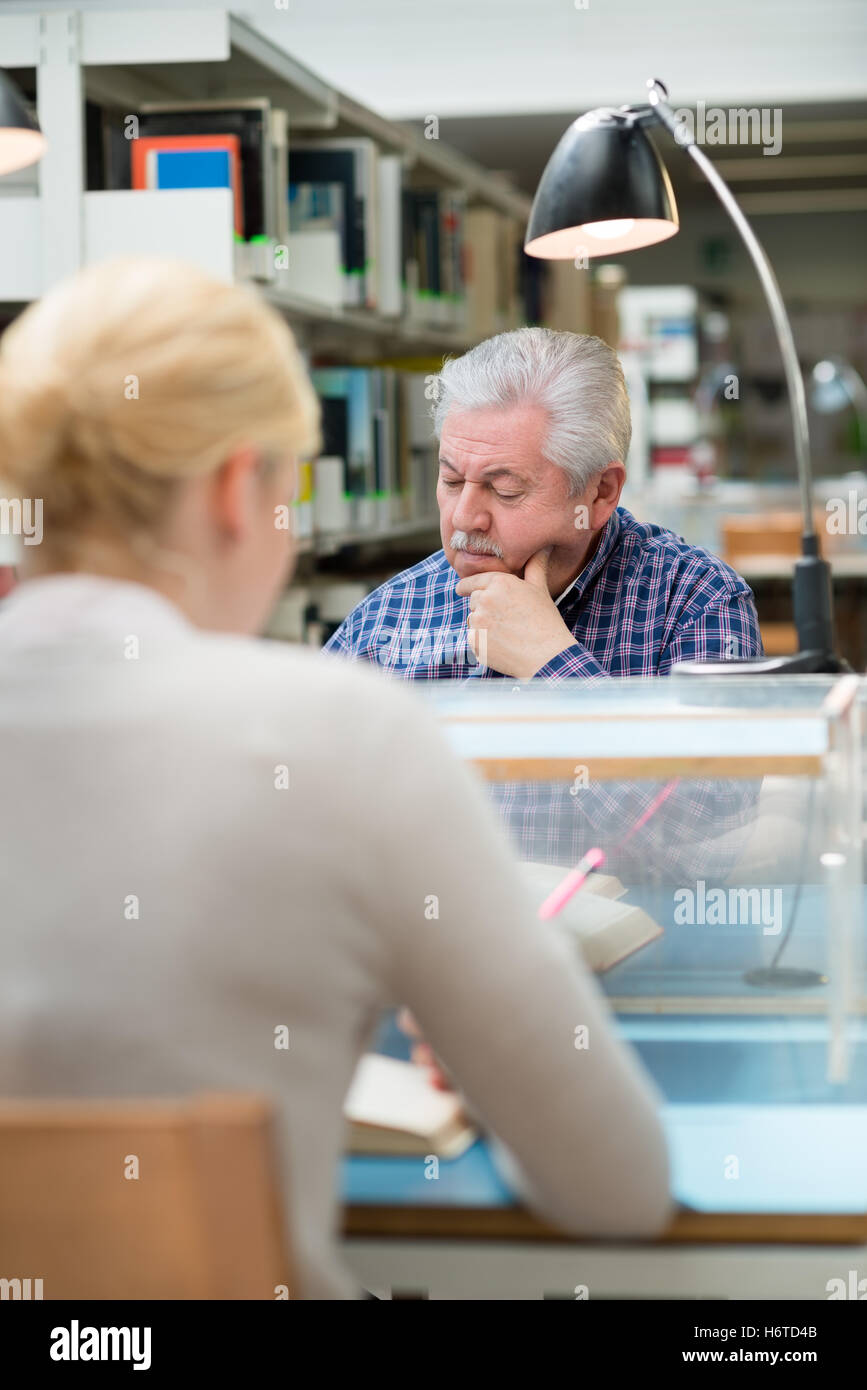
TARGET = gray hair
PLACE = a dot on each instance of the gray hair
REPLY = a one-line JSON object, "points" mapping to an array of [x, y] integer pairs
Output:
{"points": [[576, 378]]}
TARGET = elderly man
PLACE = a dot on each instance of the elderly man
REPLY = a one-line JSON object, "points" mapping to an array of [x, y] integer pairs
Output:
{"points": [[542, 574], [553, 577]]}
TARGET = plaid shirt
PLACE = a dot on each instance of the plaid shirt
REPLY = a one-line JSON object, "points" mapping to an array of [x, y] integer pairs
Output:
{"points": [[645, 600]]}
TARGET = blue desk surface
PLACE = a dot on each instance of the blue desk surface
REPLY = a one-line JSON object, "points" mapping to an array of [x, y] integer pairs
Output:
{"points": [[707, 960], [753, 1088]]}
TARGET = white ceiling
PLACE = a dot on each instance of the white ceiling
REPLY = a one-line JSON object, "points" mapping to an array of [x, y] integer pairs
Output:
{"points": [[409, 58], [473, 57]]}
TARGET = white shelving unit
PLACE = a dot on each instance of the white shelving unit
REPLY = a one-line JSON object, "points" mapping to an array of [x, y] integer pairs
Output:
{"points": [[356, 324], [127, 57]]}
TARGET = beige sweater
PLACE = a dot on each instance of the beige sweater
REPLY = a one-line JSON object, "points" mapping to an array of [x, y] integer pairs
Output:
{"points": [[168, 902]]}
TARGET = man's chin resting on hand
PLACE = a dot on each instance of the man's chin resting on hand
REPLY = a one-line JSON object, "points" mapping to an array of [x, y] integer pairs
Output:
{"points": [[541, 572]]}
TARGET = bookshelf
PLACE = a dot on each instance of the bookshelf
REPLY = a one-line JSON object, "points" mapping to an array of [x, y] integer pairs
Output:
{"points": [[351, 327], [124, 59]]}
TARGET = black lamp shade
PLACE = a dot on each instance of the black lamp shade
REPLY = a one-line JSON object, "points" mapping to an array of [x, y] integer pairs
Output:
{"points": [[604, 190], [21, 140]]}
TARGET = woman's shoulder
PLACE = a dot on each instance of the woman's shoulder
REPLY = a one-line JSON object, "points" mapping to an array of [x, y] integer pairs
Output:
{"points": [[282, 677]]}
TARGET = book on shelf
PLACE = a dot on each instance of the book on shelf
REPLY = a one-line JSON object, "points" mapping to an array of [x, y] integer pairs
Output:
{"points": [[421, 254], [318, 207], [279, 149], [432, 248], [392, 1108], [421, 447], [302, 502], [390, 247], [348, 433], [503, 287], [334, 220], [387, 445], [376, 421], [453, 210], [482, 269], [261, 133], [190, 161], [250, 122], [350, 163], [316, 216], [566, 296]]}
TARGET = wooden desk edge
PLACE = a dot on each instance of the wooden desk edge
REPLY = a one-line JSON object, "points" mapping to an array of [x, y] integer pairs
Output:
{"points": [[688, 1227]]}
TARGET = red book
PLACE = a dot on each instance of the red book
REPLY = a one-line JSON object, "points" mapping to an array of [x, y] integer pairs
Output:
{"points": [[146, 145]]}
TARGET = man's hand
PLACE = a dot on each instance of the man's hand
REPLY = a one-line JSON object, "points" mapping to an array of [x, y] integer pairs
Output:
{"points": [[521, 623]]}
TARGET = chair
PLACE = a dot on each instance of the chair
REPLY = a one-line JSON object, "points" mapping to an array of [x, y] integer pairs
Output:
{"points": [[768, 534], [202, 1220], [765, 533]]}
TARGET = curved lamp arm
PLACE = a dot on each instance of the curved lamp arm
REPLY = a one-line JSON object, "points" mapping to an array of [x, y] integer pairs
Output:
{"points": [[791, 366], [812, 598]]}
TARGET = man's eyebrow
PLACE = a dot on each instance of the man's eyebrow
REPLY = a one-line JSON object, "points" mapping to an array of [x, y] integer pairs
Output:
{"points": [[489, 473]]}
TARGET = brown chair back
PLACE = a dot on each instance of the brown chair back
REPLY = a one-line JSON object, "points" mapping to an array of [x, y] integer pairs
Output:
{"points": [[144, 1199]]}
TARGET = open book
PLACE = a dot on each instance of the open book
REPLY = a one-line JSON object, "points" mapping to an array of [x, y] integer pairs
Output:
{"points": [[606, 930], [392, 1108]]}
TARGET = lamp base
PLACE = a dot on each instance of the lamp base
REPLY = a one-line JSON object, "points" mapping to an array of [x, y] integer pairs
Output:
{"points": [[811, 663], [785, 977]]}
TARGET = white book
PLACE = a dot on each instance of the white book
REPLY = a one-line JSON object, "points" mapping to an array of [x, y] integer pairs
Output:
{"points": [[392, 1108], [280, 175], [606, 930], [360, 287], [390, 267]]}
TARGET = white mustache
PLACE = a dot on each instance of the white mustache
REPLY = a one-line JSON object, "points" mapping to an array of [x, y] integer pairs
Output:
{"points": [[461, 541]]}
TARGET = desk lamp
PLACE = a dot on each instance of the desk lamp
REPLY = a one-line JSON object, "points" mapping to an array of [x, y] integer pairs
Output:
{"points": [[606, 190], [21, 140], [834, 385]]}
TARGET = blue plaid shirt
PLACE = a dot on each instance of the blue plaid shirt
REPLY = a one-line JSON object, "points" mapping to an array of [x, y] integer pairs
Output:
{"points": [[645, 600]]}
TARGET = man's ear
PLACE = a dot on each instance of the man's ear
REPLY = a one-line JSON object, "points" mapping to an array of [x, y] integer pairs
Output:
{"points": [[233, 491], [609, 486]]}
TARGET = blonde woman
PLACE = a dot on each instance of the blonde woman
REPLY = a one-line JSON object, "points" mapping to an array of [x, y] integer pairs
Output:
{"points": [[206, 837]]}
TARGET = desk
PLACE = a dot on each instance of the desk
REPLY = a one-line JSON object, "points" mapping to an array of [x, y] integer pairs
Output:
{"points": [[749, 1087], [770, 578], [844, 565]]}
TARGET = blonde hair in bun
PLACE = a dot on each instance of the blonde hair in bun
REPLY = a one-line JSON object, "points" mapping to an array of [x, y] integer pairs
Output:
{"points": [[137, 374]]}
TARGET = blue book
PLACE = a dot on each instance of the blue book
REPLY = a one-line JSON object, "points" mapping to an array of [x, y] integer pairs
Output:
{"points": [[192, 169]]}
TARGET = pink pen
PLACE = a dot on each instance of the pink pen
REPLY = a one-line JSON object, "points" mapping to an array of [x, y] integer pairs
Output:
{"points": [[595, 858], [557, 900]]}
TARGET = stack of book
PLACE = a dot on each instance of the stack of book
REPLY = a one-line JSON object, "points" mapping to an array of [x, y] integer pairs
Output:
{"points": [[420, 254], [378, 464], [333, 190], [213, 144], [336, 221], [433, 247]]}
